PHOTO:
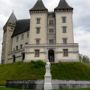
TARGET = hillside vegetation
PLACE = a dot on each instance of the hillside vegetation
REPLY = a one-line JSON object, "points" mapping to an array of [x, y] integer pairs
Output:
{"points": [[36, 71], [22, 71], [70, 71]]}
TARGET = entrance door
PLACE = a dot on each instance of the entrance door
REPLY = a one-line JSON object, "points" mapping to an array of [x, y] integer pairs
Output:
{"points": [[14, 58], [23, 56], [51, 55]]}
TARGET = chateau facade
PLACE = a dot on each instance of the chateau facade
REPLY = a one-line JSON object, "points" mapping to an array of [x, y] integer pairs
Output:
{"points": [[46, 36]]}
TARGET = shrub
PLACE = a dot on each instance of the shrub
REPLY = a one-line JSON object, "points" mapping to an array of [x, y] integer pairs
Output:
{"points": [[38, 64]]}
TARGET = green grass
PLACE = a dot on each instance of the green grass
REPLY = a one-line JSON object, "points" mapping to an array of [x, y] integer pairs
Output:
{"points": [[4, 88], [70, 71], [77, 89], [22, 71]]}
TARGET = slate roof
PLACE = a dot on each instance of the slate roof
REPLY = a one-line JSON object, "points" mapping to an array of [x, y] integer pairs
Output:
{"points": [[12, 20], [51, 14], [21, 26], [39, 6], [63, 5]]}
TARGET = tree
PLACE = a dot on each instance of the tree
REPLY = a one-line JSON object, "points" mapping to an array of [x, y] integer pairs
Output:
{"points": [[84, 58]]}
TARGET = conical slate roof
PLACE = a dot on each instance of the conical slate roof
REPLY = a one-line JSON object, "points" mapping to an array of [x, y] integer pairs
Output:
{"points": [[39, 6], [63, 5], [12, 20]]}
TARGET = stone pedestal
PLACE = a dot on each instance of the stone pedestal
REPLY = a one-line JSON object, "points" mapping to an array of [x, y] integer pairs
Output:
{"points": [[48, 80]]}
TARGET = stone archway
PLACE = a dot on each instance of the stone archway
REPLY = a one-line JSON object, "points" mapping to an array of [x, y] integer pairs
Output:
{"points": [[51, 55]]}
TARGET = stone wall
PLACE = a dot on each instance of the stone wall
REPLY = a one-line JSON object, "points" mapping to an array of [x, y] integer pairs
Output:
{"points": [[57, 84], [39, 84]]}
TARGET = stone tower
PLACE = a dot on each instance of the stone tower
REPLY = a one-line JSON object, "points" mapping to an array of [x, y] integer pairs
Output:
{"points": [[7, 41]]}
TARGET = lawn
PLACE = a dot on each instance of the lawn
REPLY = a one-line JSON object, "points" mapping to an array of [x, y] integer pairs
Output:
{"points": [[70, 71], [22, 71], [77, 89], [4, 88]]}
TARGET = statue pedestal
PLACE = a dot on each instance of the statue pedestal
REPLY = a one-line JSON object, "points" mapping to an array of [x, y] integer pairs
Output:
{"points": [[47, 80]]}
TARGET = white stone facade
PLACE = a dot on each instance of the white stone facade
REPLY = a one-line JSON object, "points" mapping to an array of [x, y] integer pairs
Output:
{"points": [[53, 42]]}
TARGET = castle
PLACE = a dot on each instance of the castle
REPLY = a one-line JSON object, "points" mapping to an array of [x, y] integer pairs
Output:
{"points": [[46, 36]]}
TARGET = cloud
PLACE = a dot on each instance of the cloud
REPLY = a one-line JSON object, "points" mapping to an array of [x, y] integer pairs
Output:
{"points": [[81, 17]]}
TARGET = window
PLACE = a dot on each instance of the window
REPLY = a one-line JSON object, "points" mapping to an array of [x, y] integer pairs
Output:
{"points": [[37, 41], [51, 31], [26, 43], [37, 52], [64, 28], [65, 52], [64, 40], [21, 46], [51, 41], [17, 38], [16, 47], [51, 22], [27, 34], [22, 36], [38, 20], [63, 19], [38, 30]]}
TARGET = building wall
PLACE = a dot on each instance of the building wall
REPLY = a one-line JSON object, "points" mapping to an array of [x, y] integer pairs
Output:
{"points": [[73, 55], [43, 28], [30, 54], [68, 24], [51, 35], [7, 43], [20, 41], [44, 36]]}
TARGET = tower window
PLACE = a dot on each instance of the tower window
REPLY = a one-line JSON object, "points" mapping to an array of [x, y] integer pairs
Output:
{"points": [[51, 22], [37, 53], [63, 19], [64, 40], [37, 41], [51, 30], [51, 41], [38, 30], [65, 52], [64, 28], [38, 20]]}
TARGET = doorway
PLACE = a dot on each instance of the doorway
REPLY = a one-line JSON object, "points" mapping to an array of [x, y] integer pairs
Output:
{"points": [[51, 55], [23, 56]]}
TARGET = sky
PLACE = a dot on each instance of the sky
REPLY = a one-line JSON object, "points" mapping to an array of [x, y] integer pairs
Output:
{"points": [[81, 18]]}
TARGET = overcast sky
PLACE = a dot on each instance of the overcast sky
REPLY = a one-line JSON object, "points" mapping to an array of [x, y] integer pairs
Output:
{"points": [[81, 18]]}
